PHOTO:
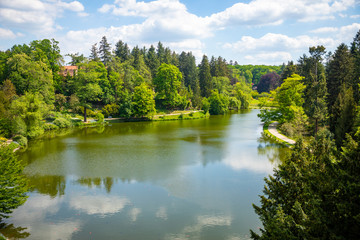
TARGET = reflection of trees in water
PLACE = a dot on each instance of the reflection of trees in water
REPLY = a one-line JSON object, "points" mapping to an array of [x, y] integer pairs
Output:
{"points": [[273, 150], [107, 182], [14, 232], [49, 185]]}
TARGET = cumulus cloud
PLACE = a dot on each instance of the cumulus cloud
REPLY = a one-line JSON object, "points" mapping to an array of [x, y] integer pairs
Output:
{"points": [[8, 34], [278, 48], [35, 16], [277, 42]]}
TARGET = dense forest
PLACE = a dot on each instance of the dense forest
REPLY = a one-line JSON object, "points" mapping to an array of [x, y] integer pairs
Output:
{"points": [[114, 81], [314, 193]]}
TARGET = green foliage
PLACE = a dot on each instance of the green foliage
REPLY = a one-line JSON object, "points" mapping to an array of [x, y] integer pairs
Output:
{"points": [[111, 110], [219, 103], [13, 185], [21, 140], [205, 77], [62, 122], [29, 110], [243, 93], [31, 76], [167, 85], [205, 105], [143, 101], [313, 194], [99, 117]]}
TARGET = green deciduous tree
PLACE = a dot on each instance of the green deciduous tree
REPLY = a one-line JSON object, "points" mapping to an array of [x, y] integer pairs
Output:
{"points": [[167, 84], [31, 76], [87, 83], [29, 110], [13, 185], [219, 103], [143, 101]]}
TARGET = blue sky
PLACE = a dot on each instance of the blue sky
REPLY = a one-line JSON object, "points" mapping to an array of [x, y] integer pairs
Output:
{"points": [[249, 32]]}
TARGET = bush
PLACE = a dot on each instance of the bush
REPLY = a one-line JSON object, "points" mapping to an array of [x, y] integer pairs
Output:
{"points": [[62, 122], [111, 110], [50, 126], [99, 117], [205, 105], [21, 140]]}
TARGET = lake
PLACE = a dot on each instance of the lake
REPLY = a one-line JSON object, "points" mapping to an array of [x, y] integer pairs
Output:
{"points": [[191, 179]]}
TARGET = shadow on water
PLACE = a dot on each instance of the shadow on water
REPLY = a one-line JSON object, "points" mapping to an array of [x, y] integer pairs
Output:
{"points": [[9, 230]]}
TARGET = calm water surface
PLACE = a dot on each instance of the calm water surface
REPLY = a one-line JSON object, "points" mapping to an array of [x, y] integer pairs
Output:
{"points": [[192, 179]]}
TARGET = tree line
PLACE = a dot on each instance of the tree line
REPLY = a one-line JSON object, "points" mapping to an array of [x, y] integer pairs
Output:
{"points": [[112, 81], [314, 193]]}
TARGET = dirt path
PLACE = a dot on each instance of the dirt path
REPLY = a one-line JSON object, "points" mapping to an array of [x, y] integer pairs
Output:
{"points": [[274, 131]]}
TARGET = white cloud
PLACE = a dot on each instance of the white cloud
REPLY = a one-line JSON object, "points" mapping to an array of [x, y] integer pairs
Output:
{"points": [[355, 16], [98, 204], [343, 34], [325, 30], [35, 16], [277, 42], [7, 34]]}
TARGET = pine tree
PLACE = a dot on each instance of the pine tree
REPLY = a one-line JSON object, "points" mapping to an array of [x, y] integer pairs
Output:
{"points": [[160, 51], [316, 92], [122, 51], [340, 75], [13, 185], [355, 52], [152, 61], [105, 51], [94, 53], [343, 114], [205, 77]]}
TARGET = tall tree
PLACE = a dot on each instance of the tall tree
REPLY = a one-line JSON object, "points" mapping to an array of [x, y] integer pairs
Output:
{"points": [[122, 51], [94, 53], [152, 61], [13, 184], [355, 52], [340, 74], [31, 76], [105, 51], [167, 84], [143, 101], [205, 77], [87, 83], [160, 51], [315, 92]]}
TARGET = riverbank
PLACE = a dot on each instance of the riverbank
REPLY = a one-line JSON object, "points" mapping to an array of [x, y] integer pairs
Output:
{"points": [[270, 129]]}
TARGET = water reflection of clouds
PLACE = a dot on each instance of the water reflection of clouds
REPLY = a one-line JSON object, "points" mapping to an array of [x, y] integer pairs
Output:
{"points": [[101, 204], [33, 215], [134, 213], [243, 162], [194, 231], [162, 213]]}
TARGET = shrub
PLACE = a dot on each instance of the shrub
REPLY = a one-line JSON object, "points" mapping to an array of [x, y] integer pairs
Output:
{"points": [[99, 117], [62, 122], [111, 110], [21, 140]]}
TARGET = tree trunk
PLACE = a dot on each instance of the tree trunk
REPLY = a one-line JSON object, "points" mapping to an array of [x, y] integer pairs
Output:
{"points": [[85, 114]]}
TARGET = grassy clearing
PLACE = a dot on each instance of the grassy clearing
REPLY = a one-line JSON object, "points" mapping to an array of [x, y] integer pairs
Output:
{"points": [[180, 115]]}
